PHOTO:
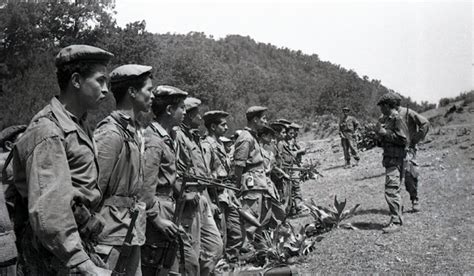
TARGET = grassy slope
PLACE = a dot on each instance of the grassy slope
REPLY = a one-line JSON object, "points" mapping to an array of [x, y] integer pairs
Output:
{"points": [[436, 240]]}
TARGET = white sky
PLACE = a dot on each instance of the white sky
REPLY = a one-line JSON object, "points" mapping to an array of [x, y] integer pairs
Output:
{"points": [[422, 49]]}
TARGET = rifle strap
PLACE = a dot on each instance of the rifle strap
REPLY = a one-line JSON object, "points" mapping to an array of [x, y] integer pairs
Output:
{"points": [[182, 261]]}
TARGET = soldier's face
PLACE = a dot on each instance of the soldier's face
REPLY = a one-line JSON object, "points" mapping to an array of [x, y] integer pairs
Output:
{"points": [[194, 117], [93, 88], [143, 96], [221, 128], [282, 134], [266, 138], [290, 133], [385, 109], [177, 113], [261, 121]]}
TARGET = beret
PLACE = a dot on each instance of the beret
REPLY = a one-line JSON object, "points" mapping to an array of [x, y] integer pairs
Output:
{"points": [[88, 53], [166, 90], [191, 102], [254, 111], [214, 115], [390, 97], [345, 108], [295, 126], [278, 125], [8, 133], [266, 130], [224, 139], [284, 121], [128, 72]]}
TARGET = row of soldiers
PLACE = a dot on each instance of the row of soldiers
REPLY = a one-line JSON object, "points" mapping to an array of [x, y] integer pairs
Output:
{"points": [[141, 197]]}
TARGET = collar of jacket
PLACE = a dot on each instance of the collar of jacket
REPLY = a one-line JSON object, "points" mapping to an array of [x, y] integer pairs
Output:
{"points": [[66, 119], [253, 132], [125, 121]]}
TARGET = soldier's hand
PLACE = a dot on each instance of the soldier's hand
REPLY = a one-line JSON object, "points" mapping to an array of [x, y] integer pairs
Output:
{"points": [[192, 199], [167, 227], [286, 176], [90, 269]]}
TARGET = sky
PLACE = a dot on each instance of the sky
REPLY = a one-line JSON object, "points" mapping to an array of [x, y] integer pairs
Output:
{"points": [[421, 49]]}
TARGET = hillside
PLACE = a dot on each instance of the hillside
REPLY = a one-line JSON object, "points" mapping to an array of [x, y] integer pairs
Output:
{"points": [[230, 73]]}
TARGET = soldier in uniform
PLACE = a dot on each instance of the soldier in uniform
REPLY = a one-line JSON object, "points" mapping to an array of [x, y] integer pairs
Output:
{"points": [[120, 153], [418, 127], [289, 160], [55, 171], [394, 137], [250, 171], [348, 126], [161, 188], [191, 160], [218, 161]]}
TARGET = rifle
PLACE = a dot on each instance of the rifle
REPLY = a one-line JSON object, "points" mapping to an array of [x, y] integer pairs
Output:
{"points": [[205, 181], [303, 169], [126, 249], [169, 254], [200, 180]]}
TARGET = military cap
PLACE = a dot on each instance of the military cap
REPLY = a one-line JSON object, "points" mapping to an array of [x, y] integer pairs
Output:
{"points": [[389, 98], [9, 132], [345, 108], [213, 115], [266, 130], [295, 126], [87, 53], [191, 102], [167, 90], [254, 111], [284, 121], [224, 139], [129, 72], [278, 125]]}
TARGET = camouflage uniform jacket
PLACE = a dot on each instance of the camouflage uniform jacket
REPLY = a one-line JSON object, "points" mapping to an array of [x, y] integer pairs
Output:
{"points": [[418, 125]]}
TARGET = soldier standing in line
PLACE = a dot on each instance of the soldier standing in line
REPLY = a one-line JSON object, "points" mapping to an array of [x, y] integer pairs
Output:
{"points": [[250, 172], [348, 126], [289, 161], [218, 161], [418, 127], [161, 188], [191, 156], [120, 159], [393, 134], [55, 171], [294, 146]]}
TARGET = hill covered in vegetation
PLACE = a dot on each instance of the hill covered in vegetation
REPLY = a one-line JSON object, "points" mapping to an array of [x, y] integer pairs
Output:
{"points": [[230, 73]]}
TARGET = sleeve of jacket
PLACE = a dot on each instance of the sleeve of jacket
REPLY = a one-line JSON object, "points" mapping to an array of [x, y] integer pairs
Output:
{"points": [[109, 144], [399, 134], [241, 152], [423, 126], [50, 196], [151, 168], [182, 158]]}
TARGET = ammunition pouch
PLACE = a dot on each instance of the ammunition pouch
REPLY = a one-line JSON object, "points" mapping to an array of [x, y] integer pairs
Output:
{"points": [[160, 255], [90, 225]]}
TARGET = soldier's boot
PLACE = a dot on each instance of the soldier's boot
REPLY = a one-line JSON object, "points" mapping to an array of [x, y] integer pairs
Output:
{"points": [[415, 205], [357, 159], [392, 228], [347, 165]]}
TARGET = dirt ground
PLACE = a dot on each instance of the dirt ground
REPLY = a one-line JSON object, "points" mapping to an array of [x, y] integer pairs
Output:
{"points": [[439, 239]]}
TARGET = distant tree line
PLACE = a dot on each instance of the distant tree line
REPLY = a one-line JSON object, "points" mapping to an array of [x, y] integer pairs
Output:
{"points": [[230, 73]]}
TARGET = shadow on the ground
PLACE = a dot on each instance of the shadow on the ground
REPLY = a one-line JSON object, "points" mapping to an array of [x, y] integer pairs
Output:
{"points": [[372, 211], [370, 177], [333, 167], [368, 225]]}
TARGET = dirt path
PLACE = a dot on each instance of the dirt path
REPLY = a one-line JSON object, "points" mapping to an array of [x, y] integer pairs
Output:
{"points": [[437, 240]]}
